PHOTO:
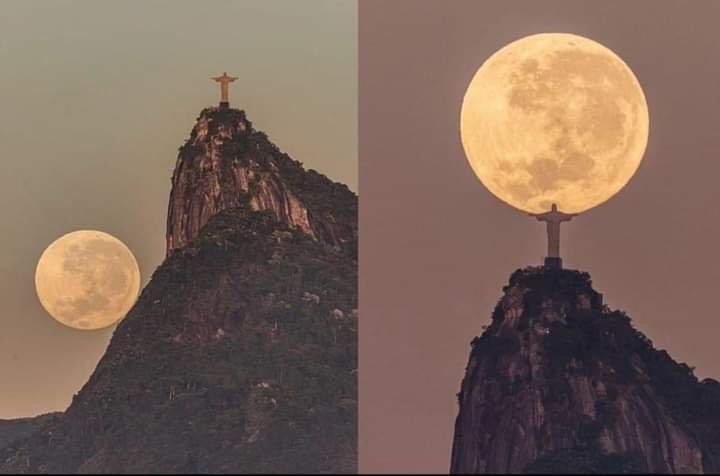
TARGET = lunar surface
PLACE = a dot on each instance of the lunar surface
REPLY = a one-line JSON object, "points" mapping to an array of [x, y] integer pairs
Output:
{"points": [[554, 118], [87, 279]]}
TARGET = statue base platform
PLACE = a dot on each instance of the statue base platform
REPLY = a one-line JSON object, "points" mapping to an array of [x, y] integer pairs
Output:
{"points": [[553, 263]]}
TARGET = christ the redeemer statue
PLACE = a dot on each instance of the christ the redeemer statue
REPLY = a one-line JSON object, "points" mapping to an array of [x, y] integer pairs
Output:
{"points": [[553, 218], [224, 81]]}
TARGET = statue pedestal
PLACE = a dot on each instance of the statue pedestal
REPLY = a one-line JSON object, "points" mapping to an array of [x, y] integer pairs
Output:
{"points": [[553, 263]]}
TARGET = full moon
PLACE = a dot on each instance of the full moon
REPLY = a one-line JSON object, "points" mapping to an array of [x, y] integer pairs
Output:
{"points": [[87, 279], [554, 118]]}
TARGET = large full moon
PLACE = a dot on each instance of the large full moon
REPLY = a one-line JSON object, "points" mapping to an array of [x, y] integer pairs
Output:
{"points": [[554, 118], [87, 279]]}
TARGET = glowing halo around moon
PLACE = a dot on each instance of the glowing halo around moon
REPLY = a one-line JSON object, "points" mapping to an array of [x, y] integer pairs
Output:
{"points": [[87, 279], [554, 118]]}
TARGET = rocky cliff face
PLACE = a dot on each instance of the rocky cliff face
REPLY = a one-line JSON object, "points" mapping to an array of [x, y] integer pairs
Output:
{"points": [[240, 355], [559, 383], [226, 162]]}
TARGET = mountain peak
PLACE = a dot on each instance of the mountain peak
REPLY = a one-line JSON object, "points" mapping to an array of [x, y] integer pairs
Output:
{"points": [[227, 163], [240, 354], [560, 382], [220, 122]]}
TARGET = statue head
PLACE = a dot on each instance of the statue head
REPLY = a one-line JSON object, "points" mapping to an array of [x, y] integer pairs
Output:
{"points": [[553, 207]]}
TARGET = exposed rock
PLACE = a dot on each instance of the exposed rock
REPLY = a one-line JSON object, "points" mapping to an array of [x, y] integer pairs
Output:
{"points": [[560, 383], [226, 163], [310, 297]]}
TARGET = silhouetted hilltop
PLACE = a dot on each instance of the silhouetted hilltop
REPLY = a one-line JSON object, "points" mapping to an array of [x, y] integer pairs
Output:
{"points": [[559, 383]]}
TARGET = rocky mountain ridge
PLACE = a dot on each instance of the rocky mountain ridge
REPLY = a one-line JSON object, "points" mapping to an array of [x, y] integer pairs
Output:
{"points": [[226, 162], [240, 355], [561, 383]]}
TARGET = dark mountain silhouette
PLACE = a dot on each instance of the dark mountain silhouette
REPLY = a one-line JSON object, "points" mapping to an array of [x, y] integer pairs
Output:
{"points": [[13, 430], [560, 384], [241, 353]]}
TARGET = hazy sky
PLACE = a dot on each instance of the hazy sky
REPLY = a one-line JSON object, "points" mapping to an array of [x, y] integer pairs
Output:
{"points": [[437, 247], [95, 99]]}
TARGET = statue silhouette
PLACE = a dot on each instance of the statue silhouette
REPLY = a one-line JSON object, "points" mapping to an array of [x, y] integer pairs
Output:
{"points": [[224, 81], [553, 218]]}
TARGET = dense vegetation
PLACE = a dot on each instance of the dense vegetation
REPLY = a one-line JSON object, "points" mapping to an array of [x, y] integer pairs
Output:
{"points": [[13, 430], [602, 344], [240, 356]]}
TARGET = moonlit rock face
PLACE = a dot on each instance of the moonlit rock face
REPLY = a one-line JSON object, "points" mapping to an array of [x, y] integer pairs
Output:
{"points": [[87, 279], [554, 118]]}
